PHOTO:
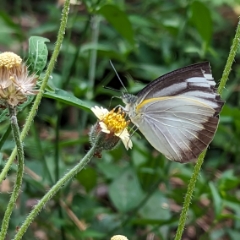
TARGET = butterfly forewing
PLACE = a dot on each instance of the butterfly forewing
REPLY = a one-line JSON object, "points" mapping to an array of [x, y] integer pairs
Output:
{"points": [[178, 112], [192, 80]]}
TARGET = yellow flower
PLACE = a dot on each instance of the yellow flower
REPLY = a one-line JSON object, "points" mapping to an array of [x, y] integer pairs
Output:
{"points": [[15, 82], [114, 124]]}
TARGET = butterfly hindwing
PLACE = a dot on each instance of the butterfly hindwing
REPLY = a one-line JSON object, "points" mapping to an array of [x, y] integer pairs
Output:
{"points": [[178, 127]]}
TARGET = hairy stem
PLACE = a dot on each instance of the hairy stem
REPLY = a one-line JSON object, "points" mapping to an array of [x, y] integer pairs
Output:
{"points": [[197, 168], [231, 56], [18, 181], [61, 182]]}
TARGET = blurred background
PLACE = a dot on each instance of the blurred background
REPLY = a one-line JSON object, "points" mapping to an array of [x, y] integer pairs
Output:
{"points": [[136, 193]]}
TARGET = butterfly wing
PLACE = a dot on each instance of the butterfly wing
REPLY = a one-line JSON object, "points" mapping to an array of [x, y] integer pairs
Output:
{"points": [[195, 81], [177, 126], [178, 112]]}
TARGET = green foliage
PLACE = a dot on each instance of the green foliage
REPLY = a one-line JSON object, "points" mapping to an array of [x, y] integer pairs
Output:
{"points": [[67, 98], [136, 193], [118, 19], [125, 191], [37, 53], [201, 18], [87, 178]]}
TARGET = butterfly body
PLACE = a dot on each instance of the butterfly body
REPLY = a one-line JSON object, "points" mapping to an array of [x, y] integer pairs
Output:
{"points": [[178, 112]]}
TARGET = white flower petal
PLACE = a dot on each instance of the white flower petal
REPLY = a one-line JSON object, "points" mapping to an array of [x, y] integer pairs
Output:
{"points": [[104, 127], [127, 143], [99, 112], [125, 137]]}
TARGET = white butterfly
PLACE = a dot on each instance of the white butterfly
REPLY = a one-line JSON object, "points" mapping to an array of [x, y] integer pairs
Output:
{"points": [[178, 112]]}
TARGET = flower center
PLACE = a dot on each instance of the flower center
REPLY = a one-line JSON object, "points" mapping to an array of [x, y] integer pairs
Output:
{"points": [[116, 121], [9, 60]]}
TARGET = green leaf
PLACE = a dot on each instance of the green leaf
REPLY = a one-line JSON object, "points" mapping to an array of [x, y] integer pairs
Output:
{"points": [[87, 178], [125, 192], [119, 21], [3, 115], [68, 98], [233, 234], [37, 53], [108, 169], [201, 18], [230, 113], [156, 208], [217, 200], [216, 234], [5, 136], [228, 181]]}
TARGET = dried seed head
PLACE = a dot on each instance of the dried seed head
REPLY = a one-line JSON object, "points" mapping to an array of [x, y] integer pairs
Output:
{"points": [[15, 82]]}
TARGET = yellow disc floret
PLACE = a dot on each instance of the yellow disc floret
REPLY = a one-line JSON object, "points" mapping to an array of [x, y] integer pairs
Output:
{"points": [[112, 127], [9, 60], [115, 121]]}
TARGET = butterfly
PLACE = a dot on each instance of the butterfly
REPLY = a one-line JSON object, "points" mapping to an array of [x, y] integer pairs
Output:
{"points": [[178, 113]]}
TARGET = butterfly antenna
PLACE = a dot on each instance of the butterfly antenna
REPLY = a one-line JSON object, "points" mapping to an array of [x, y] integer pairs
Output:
{"points": [[117, 75], [110, 88]]}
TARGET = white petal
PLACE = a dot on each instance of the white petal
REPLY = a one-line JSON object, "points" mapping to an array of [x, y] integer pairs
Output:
{"points": [[124, 136], [104, 127], [99, 112], [127, 143]]}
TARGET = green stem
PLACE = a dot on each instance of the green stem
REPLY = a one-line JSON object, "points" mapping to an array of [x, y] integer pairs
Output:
{"points": [[61, 182], [38, 99], [200, 160], [18, 182], [230, 60], [93, 56], [188, 196]]}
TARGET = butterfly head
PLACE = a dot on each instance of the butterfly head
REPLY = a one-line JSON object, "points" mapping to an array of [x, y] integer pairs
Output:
{"points": [[128, 98]]}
